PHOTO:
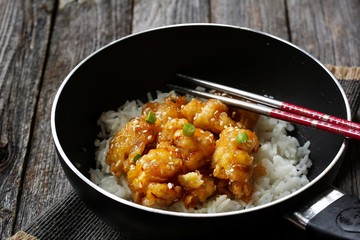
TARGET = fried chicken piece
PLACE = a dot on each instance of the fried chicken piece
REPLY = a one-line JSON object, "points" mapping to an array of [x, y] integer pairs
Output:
{"points": [[247, 118], [211, 115], [168, 109], [198, 188], [233, 160], [161, 194], [129, 142], [169, 128], [152, 172], [196, 151]]}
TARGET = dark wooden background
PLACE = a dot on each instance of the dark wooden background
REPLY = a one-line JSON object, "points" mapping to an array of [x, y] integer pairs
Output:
{"points": [[42, 40]]}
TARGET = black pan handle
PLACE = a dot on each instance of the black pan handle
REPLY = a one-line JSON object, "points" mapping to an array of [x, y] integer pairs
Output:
{"points": [[333, 215]]}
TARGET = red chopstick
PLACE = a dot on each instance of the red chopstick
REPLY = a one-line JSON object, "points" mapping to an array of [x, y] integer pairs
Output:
{"points": [[276, 109]]}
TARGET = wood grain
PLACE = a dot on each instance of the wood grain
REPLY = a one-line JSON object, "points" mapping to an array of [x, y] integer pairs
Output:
{"points": [[152, 14], [42, 40], [329, 30], [266, 16], [24, 38]]}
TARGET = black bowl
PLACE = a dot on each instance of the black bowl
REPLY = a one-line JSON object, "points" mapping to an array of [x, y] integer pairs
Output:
{"points": [[239, 57]]}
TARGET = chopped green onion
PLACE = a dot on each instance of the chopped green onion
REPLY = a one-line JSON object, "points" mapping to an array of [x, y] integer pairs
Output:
{"points": [[242, 137], [137, 156], [188, 130], [150, 118]]}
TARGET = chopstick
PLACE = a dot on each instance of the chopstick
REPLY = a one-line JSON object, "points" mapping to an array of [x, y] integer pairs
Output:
{"points": [[273, 108]]}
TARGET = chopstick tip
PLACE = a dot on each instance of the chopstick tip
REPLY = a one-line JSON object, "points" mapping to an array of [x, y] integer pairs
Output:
{"points": [[180, 75]]}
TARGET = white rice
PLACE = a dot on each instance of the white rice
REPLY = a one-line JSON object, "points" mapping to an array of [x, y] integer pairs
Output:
{"points": [[285, 160]]}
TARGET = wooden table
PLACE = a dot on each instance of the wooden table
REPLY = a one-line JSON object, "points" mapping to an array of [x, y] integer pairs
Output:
{"points": [[42, 40]]}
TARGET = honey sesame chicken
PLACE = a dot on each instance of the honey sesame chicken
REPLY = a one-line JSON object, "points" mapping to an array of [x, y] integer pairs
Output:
{"points": [[170, 108], [196, 151], [198, 188], [128, 143], [156, 169], [164, 164], [211, 115], [233, 160]]}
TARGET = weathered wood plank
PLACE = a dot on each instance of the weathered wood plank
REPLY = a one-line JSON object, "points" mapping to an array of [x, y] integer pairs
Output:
{"points": [[266, 16], [329, 30], [344, 19], [151, 14], [80, 28], [24, 31]]}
